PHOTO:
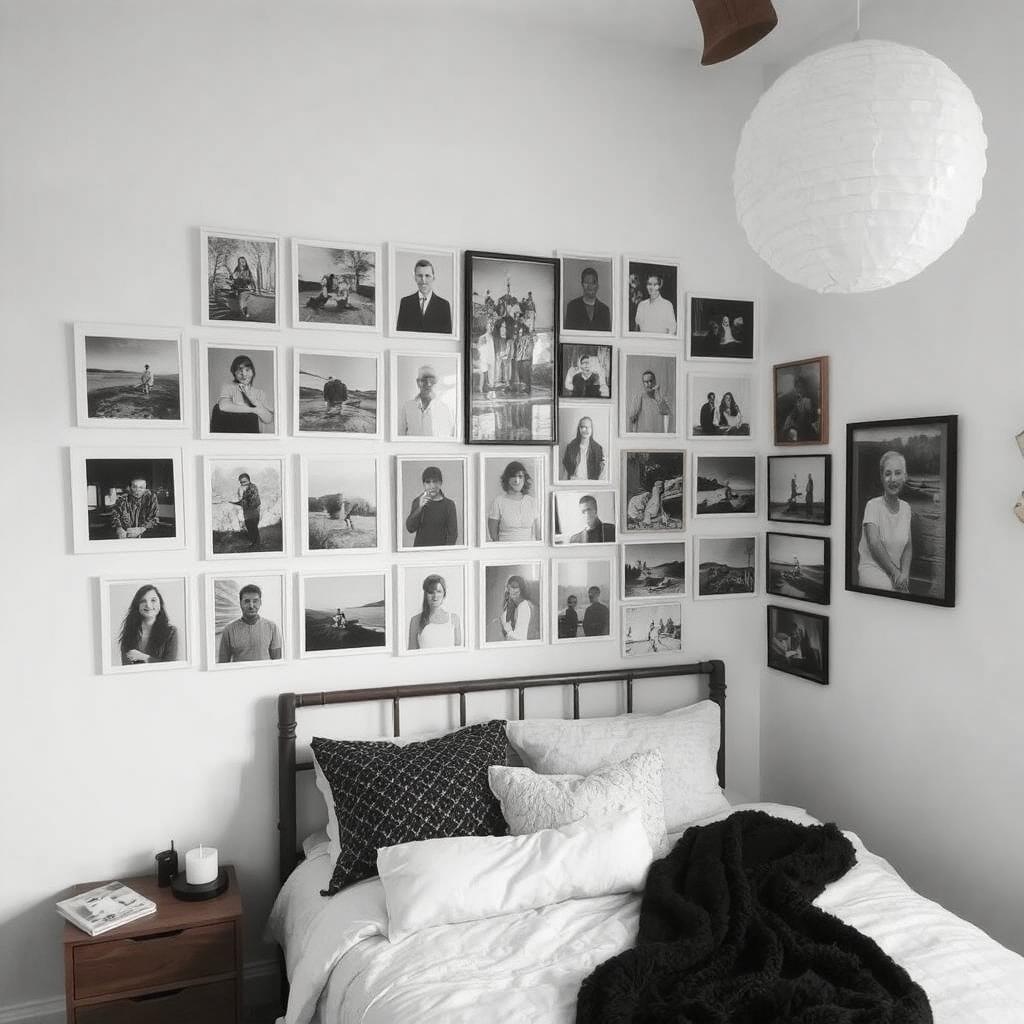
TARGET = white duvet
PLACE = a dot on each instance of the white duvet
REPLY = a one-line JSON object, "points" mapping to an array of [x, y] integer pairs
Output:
{"points": [[527, 966]]}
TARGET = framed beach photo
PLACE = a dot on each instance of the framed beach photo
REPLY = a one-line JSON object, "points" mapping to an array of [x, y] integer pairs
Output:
{"points": [[724, 485], [127, 499], [244, 500], [341, 500], [337, 394], [582, 599], [721, 329], [798, 643], [800, 489], [433, 608], [240, 279], [344, 613], [513, 603], [336, 285], [589, 286], [725, 567], [425, 400], [585, 370], [721, 406], [651, 296], [901, 508], [128, 376], [798, 567], [145, 623], [247, 620], [513, 498], [584, 443], [239, 393], [424, 296], [583, 515], [653, 488], [650, 394], [800, 402], [431, 501], [653, 570], [652, 629], [511, 322]]}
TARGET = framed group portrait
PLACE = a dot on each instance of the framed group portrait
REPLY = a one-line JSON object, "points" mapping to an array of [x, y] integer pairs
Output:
{"points": [[584, 370], [582, 599], [423, 289], [649, 394], [720, 406], [653, 570], [145, 624], [425, 401], [800, 489], [651, 296], [513, 603], [431, 501], [798, 643], [583, 515], [651, 629], [513, 498], [721, 329], [798, 567], [433, 608], [800, 404], [245, 499], [341, 497], [589, 289], [724, 485], [240, 279], [336, 285], [584, 442], [344, 613], [337, 394], [239, 391], [653, 488], [725, 567], [247, 619]]}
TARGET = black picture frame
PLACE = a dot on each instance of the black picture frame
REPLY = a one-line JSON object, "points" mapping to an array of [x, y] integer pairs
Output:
{"points": [[798, 566], [798, 643], [782, 471], [601, 385], [924, 568]]}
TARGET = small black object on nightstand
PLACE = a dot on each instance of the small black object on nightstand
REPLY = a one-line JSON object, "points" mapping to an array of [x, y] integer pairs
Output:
{"points": [[166, 866], [206, 891]]}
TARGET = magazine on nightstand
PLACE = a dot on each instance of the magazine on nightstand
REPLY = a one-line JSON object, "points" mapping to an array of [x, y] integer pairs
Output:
{"points": [[107, 906]]}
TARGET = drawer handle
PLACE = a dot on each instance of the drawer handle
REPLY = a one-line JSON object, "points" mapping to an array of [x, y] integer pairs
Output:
{"points": [[159, 935], [156, 995]]}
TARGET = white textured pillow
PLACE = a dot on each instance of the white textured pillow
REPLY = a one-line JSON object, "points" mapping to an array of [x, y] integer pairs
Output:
{"points": [[687, 738], [530, 802], [445, 881]]}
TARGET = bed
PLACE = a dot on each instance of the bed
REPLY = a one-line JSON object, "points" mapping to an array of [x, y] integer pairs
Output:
{"points": [[404, 946]]}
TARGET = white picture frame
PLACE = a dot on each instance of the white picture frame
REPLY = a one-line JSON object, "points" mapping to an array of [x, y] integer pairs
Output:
{"points": [[227, 529], [405, 401], [410, 581], [741, 386], [575, 578], [358, 592], [710, 339], [403, 308], [600, 443], [220, 305], [733, 562], [218, 381], [351, 394], [118, 594], [495, 628], [357, 477], [573, 266], [223, 593], [492, 467], [354, 265], [653, 570], [641, 409], [738, 494], [652, 630], [569, 520], [661, 323], [654, 489], [410, 486]]}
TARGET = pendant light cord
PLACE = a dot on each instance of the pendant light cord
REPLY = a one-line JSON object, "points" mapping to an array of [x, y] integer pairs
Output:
{"points": [[856, 34]]}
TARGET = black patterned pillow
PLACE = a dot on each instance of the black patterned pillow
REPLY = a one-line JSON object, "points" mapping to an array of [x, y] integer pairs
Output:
{"points": [[385, 794]]}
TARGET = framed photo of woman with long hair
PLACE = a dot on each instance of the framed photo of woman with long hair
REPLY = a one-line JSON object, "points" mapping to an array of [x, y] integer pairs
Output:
{"points": [[513, 603], [145, 623], [433, 606], [513, 498]]}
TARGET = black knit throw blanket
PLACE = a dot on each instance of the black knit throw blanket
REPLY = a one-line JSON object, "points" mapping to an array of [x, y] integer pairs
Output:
{"points": [[728, 935]]}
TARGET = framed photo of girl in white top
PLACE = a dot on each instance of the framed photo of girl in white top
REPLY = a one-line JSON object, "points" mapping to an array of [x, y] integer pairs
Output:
{"points": [[513, 499], [433, 608], [513, 603], [239, 391]]}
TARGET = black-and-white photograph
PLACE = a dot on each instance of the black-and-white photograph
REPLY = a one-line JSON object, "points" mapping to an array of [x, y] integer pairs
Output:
{"points": [[582, 599], [720, 405], [247, 619], [651, 298], [653, 487], [649, 395], [585, 371], [901, 508], [513, 603], [144, 623], [244, 501], [239, 384], [336, 285], [513, 498], [584, 442], [800, 402], [344, 613], [337, 395], [425, 400], [798, 567], [424, 295], [650, 629], [431, 501], [725, 567], [655, 569], [433, 608], [584, 515], [721, 328], [240, 279], [128, 376], [800, 489], [798, 643], [340, 504], [724, 485], [588, 294]]}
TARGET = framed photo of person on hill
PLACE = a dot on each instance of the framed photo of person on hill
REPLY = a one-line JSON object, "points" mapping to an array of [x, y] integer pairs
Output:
{"points": [[341, 500], [798, 567], [338, 394]]}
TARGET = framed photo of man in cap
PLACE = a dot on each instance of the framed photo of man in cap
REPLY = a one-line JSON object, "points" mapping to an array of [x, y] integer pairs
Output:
{"points": [[426, 403]]}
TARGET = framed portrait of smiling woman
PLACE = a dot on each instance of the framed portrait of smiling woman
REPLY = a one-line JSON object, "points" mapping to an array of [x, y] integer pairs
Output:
{"points": [[901, 509]]}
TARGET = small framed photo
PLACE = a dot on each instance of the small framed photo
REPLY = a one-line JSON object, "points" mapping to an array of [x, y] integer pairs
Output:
{"points": [[901, 509], [238, 388], [651, 299], [589, 288], [128, 502], [721, 329], [431, 498], [513, 498], [424, 291], [240, 279], [244, 500], [247, 619], [337, 394], [582, 599], [335, 285], [513, 598], [511, 318], [433, 608], [649, 395], [145, 623], [800, 489], [584, 371], [344, 613], [725, 567], [425, 400], [652, 629], [798, 567], [724, 485], [653, 488], [653, 570], [341, 500], [721, 406], [583, 515], [798, 643], [584, 443], [800, 406], [128, 376]]}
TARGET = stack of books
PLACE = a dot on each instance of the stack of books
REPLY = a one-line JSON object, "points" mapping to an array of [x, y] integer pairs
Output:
{"points": [[105, 907]]}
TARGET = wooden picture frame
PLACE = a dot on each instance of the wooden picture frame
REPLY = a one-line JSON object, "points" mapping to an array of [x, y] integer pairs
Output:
{"points": [[800, 402]]}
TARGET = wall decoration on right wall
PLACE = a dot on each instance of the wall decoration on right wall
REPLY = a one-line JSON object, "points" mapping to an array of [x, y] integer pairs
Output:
{"points": [[800, 489], [798, 643], [800, 405]]}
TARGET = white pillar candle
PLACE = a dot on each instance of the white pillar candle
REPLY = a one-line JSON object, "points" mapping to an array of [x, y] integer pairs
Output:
{"points": [[201, 865]]}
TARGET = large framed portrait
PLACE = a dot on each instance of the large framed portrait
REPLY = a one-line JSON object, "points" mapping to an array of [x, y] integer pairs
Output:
{"points": [[582, 599], [431, 498], [433, 608], [511, 321], [239, 391], [247, 620], [240, 279], [344, 613], [583, 515], [901, 508], [129, 501], [336, 285], [653, 488], [798, 567], [800, 404], [653, 570], [721, 328], [800, 489], [798, 643], [513, 603], [513, 498], [725, 567], [721, 406], [244, 501], [652, 629], [651, 298], [589, 290], [649, 394], [129, 376], [337, 394], [341, 500], [584, 442], [584, 370], [724, 485], [145, 623], [424, 291], [425, 401]]}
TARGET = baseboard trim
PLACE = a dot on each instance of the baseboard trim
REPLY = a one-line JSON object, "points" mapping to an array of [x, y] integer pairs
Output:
{"points": [[39, 1011]]}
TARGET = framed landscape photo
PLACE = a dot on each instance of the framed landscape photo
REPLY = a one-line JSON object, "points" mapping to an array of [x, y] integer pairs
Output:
{"points": [[800, 404], [583, 515], [725, 567], [239, 393], [341, 498], [724, 485], [424, 293], [582, 599], [247, 620], [244, 500], [433, 608], [511, 323], [344, 613], [651, 296], [513, 603], [589, 290], [721, 328], [653, 570], [800, 489], [240, 279], [513, 498], [336, 285], [721, 406], [650, 394], [128, 376], [337, 394], [798, 643], [145, 623], [584, 442], [425, 400], [431, 501], [798, 567], [584, 370], [653, 489], [652, 629], [901, 508]]}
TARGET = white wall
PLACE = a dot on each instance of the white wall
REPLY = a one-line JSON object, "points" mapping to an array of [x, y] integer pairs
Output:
{"points": [[915, 744], [126, 126]]}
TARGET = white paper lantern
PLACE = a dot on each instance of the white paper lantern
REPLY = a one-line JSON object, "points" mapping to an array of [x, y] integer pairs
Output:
{"points": [[859, 167]]}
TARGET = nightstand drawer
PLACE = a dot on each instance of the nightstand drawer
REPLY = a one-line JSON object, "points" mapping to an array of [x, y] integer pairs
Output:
{"points": [[104, 968], [200, 1004]]}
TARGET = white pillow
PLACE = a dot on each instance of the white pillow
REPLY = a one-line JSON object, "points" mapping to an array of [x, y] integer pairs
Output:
{"points": [[687, 738], [315, 845], [530, 802], [445, 881]]}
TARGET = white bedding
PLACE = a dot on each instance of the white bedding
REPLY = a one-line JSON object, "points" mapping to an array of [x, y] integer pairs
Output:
{"points": [[528, 966]]}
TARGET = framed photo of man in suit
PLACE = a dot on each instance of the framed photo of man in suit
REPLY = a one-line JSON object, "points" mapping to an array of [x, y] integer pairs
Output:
{"points": [[423, 291]]}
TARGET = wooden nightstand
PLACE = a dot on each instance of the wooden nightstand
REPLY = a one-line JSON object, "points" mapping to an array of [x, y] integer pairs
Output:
{"points": [[183, 963]]}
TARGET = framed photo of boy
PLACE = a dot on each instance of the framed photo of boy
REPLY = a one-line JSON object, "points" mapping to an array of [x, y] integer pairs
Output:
{"points": [[798, 567], [240, 279], [513, 498], [721, 406], [128, 376], [901, 508], [583, 515], [336, 285], [653, 570], [337, 394], [725, 567], [425, 401], [584, 442], [649, 395], [721, 328], [244, 502], [239, 392], [582, 599], [584, 371], [423, 290], [433, 607], [247, 620], [511, 322], [145, 624], [725, 485], [651, 298], [589, 290], [513, 603], [431, 497], [800, 489], [798, 643], [341, 500], [653, 488], [651, 629], [800, 406], [344, 613]]}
